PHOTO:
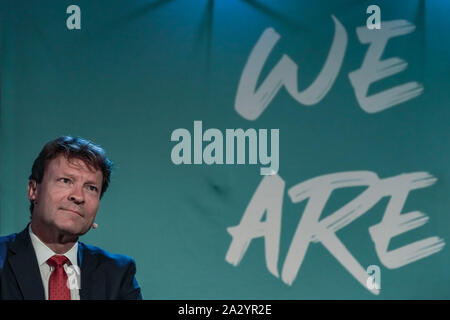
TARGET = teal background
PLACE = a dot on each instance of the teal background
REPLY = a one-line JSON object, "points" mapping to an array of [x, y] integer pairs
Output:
{"points": [[137, 70]]}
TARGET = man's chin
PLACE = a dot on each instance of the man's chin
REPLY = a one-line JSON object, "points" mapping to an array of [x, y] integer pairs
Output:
{"points": [[71, 229]]}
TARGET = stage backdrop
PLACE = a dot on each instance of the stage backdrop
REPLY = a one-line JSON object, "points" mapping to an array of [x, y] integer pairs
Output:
{"points": [[336, 187]]}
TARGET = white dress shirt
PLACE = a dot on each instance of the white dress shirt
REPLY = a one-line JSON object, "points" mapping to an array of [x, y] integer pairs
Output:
{"points": [[43, 253]]}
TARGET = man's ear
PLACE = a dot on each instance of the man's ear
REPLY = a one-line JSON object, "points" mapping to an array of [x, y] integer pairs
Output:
{"points": [[32, 190]]}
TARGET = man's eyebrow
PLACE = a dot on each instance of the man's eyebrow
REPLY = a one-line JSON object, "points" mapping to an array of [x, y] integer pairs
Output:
{"points": [[91, 182], [66, 174], [74, 177]]}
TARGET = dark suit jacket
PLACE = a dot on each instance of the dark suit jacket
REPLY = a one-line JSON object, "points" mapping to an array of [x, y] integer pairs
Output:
{"points": [[104, 276]]}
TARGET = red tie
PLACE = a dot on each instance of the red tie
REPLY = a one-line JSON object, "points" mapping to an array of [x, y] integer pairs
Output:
{"points": [[57, 285]]}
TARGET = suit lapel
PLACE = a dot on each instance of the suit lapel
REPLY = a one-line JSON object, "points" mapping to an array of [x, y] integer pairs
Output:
{"points": [[24, 265], [25, 268], [88, 265]]}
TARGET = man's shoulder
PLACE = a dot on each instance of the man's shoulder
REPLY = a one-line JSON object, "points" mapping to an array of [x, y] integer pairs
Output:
{"points": [[4, 242], [117, 269], [105, 257]]}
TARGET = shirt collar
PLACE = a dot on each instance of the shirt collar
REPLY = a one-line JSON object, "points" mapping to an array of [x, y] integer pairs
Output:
{"points": [[43, 253]]}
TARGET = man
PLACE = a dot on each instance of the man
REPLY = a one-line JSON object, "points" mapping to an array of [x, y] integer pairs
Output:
{"points": [[46, 261]]}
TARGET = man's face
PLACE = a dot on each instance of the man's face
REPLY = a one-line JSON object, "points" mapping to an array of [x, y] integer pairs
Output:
{"points": [[68, 197]]}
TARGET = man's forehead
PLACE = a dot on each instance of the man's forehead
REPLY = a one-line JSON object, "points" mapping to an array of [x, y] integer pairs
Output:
{"points": [[63, 163]]}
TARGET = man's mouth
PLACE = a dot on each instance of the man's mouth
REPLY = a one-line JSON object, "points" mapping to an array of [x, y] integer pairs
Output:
{"points": [[73, 211]]}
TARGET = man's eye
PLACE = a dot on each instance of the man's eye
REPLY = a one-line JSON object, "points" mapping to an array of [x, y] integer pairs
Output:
{"points": [[93, 188], [65, 180]]}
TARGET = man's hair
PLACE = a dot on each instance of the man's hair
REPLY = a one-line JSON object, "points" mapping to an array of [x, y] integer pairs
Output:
{"points": [[72, 148]]}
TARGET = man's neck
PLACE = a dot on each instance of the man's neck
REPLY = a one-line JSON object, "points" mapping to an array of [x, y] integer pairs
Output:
{"points": [[58, 242]]}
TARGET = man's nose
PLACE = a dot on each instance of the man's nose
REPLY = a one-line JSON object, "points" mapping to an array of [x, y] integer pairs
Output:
{"points": [[77, 195]]}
